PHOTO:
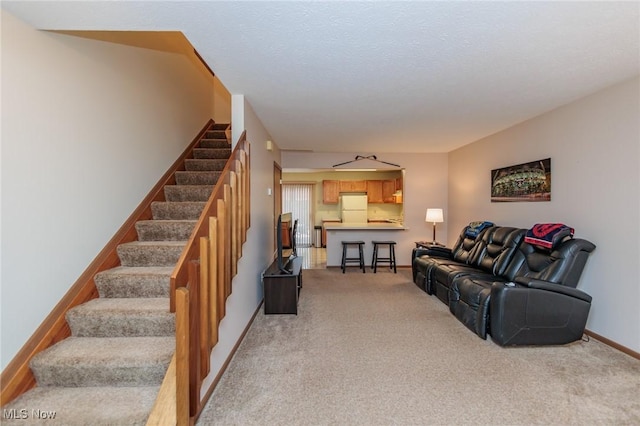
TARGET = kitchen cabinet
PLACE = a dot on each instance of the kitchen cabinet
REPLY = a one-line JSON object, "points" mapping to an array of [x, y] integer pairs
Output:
{"points": [[353, 186], [381, 191], [330, 191], [399, 184], [399, 191], [374, 191], [388, 188], [378, 191]]}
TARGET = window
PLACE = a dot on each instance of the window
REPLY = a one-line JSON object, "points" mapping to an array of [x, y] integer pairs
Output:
{"points": [[297, 198]]}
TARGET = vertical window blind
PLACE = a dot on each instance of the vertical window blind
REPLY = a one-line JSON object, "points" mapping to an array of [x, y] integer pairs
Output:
{"points": [[297, 198]]}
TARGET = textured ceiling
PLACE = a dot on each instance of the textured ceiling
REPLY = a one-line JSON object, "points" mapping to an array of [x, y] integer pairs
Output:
{"points": [[386, 76]]}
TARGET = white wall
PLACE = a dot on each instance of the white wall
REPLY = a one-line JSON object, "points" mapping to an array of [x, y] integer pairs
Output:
{"points": [[237, 117], [594, 145], [221, 102], [88, 128], [425, 185], [257, 252]]}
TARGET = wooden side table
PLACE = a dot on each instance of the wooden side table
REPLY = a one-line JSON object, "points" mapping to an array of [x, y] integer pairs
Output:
{"points": [[428, 244]]}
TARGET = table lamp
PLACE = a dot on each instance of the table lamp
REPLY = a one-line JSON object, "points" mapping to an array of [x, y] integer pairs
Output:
{"points": [[434, 216]]}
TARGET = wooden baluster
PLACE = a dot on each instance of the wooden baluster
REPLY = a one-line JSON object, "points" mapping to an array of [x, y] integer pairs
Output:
{"points": [[227, 241], [204, 307], [213, 282], [222, 217], [238, 234], [182, 356], [247, 154], [241, 173], [243, 160], [194, 332], [233, 185]]}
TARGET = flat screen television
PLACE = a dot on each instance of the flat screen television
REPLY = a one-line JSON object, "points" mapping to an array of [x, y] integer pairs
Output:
{"points": [[283, 257]]}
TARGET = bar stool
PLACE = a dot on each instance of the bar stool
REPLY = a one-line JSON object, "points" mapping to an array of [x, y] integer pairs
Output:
{"points": [[359, 259], [391, 260]]}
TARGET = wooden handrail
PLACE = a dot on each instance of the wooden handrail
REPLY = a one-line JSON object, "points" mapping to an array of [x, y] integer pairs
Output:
{"points": [[201, 282], [179, 275], [17, 377], [164, 411]]}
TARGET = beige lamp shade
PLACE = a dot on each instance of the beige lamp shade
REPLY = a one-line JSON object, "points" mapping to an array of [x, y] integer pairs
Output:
{"points": [[434, 216]]}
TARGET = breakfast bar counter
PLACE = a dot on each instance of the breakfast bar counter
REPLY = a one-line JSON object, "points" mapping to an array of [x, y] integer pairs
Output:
{"points": [[367, 232]]}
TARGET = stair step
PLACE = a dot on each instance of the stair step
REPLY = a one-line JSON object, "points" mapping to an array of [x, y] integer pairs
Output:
{"points": [[165, 230], [197, 178], [216, 134], [214, 143], [212, 153], [122, 318], [125, 282], [196, 164], [150, 253], [165, 210], [219, 126], [187, 192], [81, 406], [104, 361]]}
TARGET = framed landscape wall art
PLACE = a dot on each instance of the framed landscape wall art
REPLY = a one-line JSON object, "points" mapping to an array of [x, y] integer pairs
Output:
{"points": [[522, 182]]}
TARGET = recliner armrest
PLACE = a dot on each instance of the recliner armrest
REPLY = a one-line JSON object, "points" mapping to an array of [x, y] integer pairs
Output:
{"points": [[435, 251], [556, 288]]}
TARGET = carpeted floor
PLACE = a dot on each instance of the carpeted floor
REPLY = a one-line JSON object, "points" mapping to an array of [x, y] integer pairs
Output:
{"points": [[371, 349]]}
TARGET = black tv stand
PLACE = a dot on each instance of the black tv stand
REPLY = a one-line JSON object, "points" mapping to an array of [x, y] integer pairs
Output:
{"points": [[282, 289]]}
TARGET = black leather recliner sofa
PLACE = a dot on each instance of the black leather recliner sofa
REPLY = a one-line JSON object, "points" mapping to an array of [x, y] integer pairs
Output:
{"points": [[520, 293]]}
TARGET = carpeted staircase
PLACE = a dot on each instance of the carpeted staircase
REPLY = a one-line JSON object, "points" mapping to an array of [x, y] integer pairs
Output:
{"points": [[110, 370]]}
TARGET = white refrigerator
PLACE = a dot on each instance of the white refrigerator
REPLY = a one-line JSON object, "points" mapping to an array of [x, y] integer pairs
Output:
{"points": [[353, 208]]}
